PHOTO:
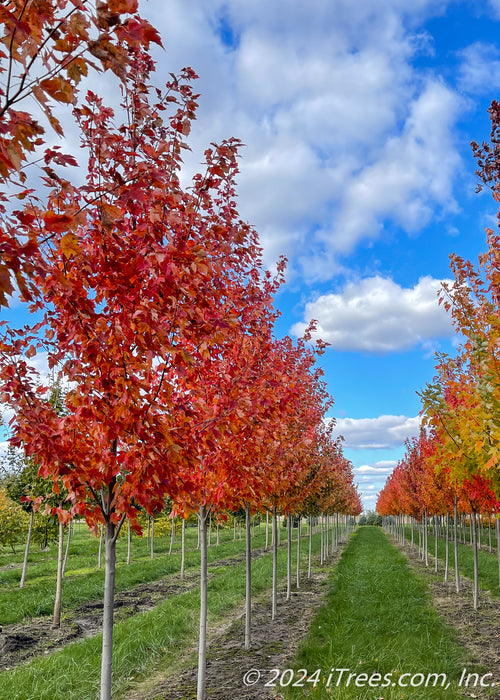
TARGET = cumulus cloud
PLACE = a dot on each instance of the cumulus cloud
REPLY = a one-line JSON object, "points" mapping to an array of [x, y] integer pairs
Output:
{"points": [[479, 71], [377, 315], [383, 432], [370, 479], [342, 131]]}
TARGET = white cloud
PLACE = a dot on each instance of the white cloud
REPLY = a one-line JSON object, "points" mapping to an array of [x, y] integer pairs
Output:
{"points": [[495, 6], [342, 132], [371, 478], [377, 315], [479, 72], [384, 432]]}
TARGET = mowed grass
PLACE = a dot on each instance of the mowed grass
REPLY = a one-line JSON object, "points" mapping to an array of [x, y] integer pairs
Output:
{"points": [[487, 562], [143, 642], [84, 581], [377, 621]]}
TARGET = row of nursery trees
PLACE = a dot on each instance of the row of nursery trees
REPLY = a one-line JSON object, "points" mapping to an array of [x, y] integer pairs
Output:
{"points": [[149, 301], [454, 465]]}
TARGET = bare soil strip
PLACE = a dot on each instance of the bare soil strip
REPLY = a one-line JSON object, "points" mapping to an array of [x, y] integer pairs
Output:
{"points": [[21, 642]]}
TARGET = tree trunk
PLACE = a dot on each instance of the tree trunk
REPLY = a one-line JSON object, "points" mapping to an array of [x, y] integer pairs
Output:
{"points": [[435, 544], [152, 541], [426, 539], [476, 568], [202, 642], [289, 559], [447, 555], [183, 548], [455, 545], [267, 530], [27, 550], [310, 549], [275, 564], [298, 553], [66, 553], [56, 620], [321, 540], [108, 610], [248, 579]]}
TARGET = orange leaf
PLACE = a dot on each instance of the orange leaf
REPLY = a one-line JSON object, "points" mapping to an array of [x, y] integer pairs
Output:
{"points": [[120, 6], [57, 222], [69, 245], [59, 89]]}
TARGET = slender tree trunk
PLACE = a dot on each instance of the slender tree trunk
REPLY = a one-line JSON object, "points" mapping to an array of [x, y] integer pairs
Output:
{"points": [[426, 539], [476, 568], [27, 550], [490, 545], [248, 581], [267, 530], [455, 545], [412, 535], [111, 532], [66, 553], [183, 548], [202, 647], [321, 540], [436, 543], [310, 549], [56, 620], [234, 529], [298, 553], [289, 559], [129, 543], [275, 564], [447, 555], [172, 536]]}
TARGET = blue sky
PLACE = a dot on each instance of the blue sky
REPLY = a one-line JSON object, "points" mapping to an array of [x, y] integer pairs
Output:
{"points": [[357, 119]]}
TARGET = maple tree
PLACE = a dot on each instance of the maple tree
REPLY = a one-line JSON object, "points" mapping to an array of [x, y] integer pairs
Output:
{"points": [[137, 296], [47, 48]]}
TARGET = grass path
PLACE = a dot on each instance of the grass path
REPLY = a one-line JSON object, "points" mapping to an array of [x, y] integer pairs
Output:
{"points": [[378, 625]]}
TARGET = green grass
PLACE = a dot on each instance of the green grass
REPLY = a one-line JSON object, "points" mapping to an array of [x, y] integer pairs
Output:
{"points": [[487, 562], [377, 620], [84, 582], [142, 642]]}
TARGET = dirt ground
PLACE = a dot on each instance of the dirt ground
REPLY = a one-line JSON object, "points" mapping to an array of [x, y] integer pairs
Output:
{"points": [[21, 642], [274, 644], [477, 630]]}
